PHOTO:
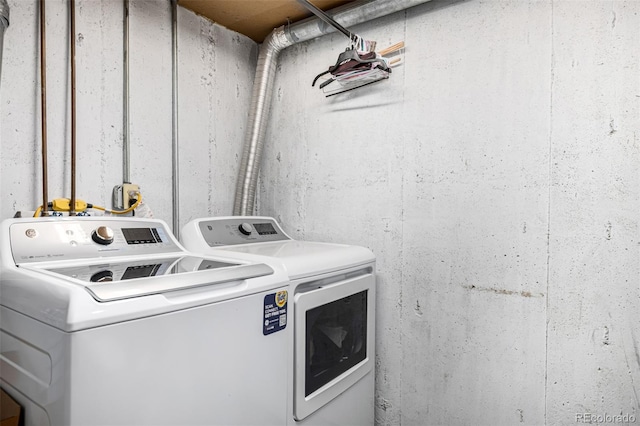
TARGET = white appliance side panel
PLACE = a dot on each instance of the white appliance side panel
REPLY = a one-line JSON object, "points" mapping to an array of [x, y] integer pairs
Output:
{"points": [[354, 407], [209, 365], [33, 366]]}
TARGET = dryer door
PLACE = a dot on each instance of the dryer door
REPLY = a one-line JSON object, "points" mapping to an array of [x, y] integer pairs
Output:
{"points": [[334, 341]]}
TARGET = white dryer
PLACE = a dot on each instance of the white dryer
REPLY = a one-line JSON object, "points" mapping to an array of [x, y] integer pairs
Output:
{"points": [[331, 348], [107, 321]]}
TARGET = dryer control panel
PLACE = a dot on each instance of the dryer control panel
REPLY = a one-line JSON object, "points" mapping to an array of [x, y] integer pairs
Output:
{"points": [[44, 240], [240, 230]]}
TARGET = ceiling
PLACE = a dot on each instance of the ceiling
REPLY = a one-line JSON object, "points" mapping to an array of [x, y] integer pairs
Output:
{"points": [[255, 18]]}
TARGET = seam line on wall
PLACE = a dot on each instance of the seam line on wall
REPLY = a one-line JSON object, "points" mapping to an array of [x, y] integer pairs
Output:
{"points": [[402, 218], [549, 181]]}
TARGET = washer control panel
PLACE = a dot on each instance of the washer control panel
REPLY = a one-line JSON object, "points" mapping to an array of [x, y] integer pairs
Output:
{"points": [[41, 240], [241, 230]]}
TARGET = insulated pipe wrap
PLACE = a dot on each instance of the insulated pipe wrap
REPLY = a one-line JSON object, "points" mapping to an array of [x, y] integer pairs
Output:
{"points": [[4, 23]]}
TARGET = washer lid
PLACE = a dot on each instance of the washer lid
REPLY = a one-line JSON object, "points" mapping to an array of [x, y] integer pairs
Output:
{"points": [[133, 278]]}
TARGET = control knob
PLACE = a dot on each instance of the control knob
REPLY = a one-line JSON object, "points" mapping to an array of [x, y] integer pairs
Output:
{"points": [[102, 235], [102, 277], [245, 228]]}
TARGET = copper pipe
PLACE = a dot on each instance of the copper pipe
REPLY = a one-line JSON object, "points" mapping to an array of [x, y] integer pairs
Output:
{"points": [[72, 206], [43, 99]]}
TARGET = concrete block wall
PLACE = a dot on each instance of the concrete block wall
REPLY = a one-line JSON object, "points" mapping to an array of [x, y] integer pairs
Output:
{"points": [[495, 176], [212, 112]]}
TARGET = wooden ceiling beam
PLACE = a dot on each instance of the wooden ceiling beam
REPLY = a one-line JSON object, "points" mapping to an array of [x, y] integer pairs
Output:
{"points": [[255, 18]]}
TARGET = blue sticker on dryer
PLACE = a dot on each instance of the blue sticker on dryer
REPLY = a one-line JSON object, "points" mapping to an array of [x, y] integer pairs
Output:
{"points": [[275, 312]]}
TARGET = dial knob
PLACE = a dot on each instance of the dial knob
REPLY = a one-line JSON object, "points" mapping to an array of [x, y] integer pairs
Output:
{"points": [[102, 277], [102, 235], [245, 228]]}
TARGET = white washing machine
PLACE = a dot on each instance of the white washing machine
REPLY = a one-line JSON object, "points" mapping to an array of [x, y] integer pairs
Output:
{"points": [[107, 321], [332, 310]]}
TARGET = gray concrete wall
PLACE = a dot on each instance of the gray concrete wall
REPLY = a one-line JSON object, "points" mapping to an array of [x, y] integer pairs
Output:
{"points": [[215, 78], [495, 176], [594, 291]]}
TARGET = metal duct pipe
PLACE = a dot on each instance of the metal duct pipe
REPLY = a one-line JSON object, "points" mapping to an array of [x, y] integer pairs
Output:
{"points": [[258, 118], [281, 38], [4, 23]]}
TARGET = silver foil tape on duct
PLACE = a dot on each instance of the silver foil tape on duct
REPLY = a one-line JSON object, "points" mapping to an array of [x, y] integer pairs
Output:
{"points": [[4, 23]]}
